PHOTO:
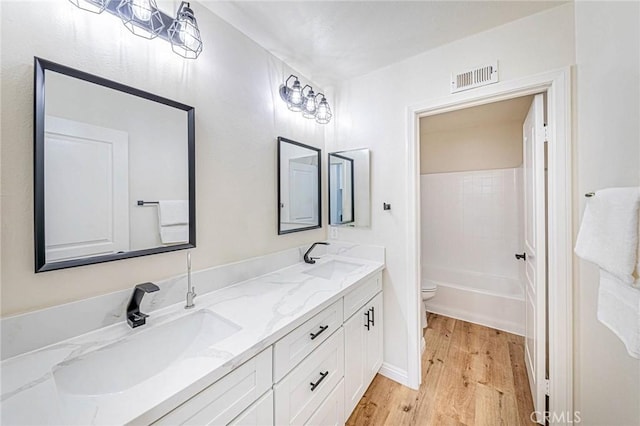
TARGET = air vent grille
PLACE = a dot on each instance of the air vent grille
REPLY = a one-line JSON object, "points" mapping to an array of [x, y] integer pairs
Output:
{"points": [[475, 77]]}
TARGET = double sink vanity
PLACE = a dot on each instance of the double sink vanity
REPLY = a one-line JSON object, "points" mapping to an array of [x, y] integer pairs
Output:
{"points": [[298, 345]]}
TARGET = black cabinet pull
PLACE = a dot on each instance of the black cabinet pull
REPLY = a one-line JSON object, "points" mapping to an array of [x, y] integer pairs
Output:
{"points": [[522, 256], [315, 385], [322, 329], [366, 324], [372, 317]]}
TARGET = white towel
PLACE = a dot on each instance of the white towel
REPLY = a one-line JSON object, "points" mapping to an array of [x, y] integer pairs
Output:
{"points": [[174, 234], [608, 234], [173, 212], [619, 309]]}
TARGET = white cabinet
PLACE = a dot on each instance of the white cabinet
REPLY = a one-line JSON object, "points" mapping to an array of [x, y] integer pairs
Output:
{"points": [[305, 388], [259, 414], [228, 397], [331, 411], [363, 350]]}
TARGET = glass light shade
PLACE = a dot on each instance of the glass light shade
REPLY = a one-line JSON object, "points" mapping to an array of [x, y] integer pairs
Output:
{"points": [[295, 98], [323, 112], [184, 34], [309, 105], [141, 17], [95, 6]]}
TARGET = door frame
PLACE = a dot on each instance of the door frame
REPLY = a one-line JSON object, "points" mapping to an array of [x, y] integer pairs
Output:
{"points": [[557, 85]]}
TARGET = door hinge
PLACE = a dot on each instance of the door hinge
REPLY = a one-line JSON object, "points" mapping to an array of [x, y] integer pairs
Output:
{"points": [[547, 387]]}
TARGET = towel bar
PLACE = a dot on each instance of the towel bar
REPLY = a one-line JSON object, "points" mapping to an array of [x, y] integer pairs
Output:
{"points": [[143, 203]]}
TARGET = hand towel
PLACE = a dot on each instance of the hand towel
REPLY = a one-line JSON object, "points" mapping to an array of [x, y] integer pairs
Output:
{"points": [[174, 234], [619, 310], [608, 235], [173, 212]]}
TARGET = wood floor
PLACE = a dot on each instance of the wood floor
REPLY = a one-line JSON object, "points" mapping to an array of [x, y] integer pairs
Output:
{"points": [[471, 375]]}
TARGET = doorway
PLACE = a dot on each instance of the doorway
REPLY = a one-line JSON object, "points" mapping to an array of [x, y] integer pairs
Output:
{"points": [[555, 85]]}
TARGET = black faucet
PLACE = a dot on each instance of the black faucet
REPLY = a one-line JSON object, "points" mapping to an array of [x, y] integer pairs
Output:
{"points": [[309, 259], [135, 318]]}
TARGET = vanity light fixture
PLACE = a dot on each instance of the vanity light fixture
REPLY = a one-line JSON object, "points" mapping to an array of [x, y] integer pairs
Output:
{"points": [[307, 102], [141, 17], [184, 33], [94, 6], [144, 19], [323, 112]]}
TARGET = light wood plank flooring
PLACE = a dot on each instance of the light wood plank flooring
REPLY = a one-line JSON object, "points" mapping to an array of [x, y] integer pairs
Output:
{"points": [[471, 375]]}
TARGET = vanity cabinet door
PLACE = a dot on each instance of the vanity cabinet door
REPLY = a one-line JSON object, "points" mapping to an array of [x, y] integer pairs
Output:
{"points": [[374, 339], [363, 351], [259, 414]]}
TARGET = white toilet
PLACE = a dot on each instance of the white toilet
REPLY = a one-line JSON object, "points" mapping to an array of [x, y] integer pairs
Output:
{"points": [[428, 291]]}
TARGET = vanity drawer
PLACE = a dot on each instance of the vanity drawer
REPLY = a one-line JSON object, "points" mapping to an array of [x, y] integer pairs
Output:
{"points": [[331, 411], [259, 414], [303, 390], [295, 346], [228, 397], [354, 300]]}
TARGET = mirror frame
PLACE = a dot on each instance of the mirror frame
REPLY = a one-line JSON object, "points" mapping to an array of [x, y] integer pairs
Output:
{"points": [[353, 192], [41, 265], [318, 151]]}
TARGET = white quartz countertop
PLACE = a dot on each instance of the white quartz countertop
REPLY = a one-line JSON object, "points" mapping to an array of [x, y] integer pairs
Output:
{"points": [[265, 308]]}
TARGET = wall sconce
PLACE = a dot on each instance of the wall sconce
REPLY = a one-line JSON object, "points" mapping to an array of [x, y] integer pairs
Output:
{"points": [[144, 19], [304, 99]]}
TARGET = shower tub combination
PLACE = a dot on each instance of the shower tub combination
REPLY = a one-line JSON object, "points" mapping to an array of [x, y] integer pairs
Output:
{"points": [[493, 301]]}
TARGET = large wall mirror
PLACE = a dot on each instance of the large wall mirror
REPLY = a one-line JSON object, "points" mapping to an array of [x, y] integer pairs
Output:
{"points": [[114, 170], [349, 188], [299, 201]]}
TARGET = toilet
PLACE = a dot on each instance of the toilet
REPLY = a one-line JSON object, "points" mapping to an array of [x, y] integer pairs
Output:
{"points": [[428, 291]]}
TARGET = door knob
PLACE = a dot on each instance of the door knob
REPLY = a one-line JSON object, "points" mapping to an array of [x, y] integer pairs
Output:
{"points": [[522, 256]]}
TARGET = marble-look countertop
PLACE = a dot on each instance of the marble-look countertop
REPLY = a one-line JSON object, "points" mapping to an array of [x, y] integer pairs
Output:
{"points": [[266, 308]]}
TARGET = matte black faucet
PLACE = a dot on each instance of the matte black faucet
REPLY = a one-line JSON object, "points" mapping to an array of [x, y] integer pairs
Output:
{"points": [[135, 318], [309, 259]]}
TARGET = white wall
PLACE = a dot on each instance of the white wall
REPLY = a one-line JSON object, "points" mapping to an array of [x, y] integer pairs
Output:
{"points": [[233, 86], [607, 153], [528, 46], [472, 222]]}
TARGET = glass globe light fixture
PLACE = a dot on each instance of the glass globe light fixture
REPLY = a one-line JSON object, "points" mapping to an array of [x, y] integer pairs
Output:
{"points": [[94, 6], [323, 112], [141, 17], [309, 103]]}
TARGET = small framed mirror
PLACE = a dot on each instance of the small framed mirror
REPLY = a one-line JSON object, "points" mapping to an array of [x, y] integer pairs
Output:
{"points": [[114, 170], [299, 196], [349, 188]]}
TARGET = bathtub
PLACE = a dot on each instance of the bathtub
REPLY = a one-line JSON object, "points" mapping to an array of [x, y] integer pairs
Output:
{"points": [[492, 301]]}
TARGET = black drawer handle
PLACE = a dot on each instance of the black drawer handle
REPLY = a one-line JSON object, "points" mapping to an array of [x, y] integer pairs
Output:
{"points": [[322, 329], [368, 321], [372, 317], [315, 385]]}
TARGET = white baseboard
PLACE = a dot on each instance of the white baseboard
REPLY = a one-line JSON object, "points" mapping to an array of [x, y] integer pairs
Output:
{"points": [[499, 324], [394, 373]]}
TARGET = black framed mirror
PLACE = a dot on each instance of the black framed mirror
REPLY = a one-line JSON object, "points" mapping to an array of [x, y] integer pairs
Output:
{"points": [[299, 187], [114, 170], [349, 188], [341, 191]]}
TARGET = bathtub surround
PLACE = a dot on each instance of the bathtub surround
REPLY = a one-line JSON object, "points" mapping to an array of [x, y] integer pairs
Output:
{"points": [[471, 226], [33, 391], [235, 162]]}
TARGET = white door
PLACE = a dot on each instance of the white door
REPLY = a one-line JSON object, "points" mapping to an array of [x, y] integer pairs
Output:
{"points": [[303, 192], [535, 261], [355, 359], [86, 190], [374, 338]]}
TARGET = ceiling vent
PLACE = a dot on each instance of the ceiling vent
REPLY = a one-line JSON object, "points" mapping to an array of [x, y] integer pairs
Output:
{"points": [[475, 77]]}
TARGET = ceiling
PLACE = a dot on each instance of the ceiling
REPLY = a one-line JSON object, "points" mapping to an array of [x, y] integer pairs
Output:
{"points": [[329, 41], [496, 113]]}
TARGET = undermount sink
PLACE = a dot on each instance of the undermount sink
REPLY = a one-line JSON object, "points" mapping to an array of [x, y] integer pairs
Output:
{"points": [[134, 359], [332, 269]]}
